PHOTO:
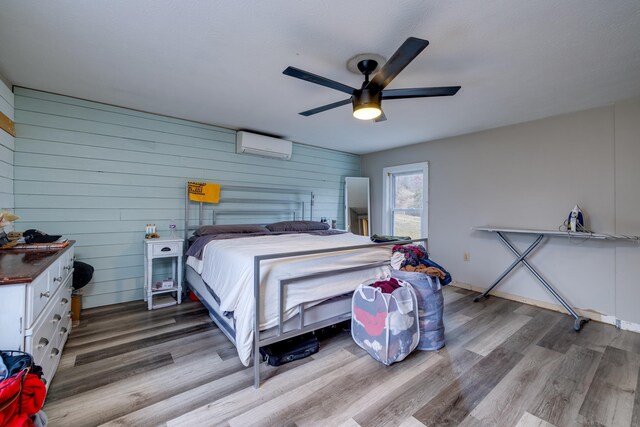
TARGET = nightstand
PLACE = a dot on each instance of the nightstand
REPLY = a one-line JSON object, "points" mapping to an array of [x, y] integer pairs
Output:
{"points": [[162, 248]]}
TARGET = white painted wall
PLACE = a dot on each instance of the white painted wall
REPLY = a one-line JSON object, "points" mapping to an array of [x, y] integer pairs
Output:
{"points": [[531, 175], [97, 174], [7, 145]]}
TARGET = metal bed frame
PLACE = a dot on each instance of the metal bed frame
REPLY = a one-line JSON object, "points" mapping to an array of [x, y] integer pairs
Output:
{"points": [[302, 328]]}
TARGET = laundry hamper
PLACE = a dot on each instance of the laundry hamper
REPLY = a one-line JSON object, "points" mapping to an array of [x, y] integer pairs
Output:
{"points": [[385, 324], [14, 405], [430, 307]]}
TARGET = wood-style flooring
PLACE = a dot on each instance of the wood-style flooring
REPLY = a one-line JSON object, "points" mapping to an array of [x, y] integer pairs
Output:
{"points": [[504, 364]]}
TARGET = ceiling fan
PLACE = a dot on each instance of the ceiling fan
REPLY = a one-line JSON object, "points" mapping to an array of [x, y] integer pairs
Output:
{"points": [[367, 101]]}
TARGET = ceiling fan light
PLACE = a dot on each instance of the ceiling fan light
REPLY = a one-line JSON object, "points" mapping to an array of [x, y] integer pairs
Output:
{"points": [[366, 105], [367, 113]]}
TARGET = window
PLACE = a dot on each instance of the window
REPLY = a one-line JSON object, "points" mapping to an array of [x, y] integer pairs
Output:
{"points": [[406, 200]]}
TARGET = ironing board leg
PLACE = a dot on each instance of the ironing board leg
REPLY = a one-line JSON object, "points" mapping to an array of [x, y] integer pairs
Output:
{"points": [[579, 321], [520, 258]]}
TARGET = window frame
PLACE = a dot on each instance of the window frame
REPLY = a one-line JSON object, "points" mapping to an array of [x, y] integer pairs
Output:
{"points": [[388, 173]]}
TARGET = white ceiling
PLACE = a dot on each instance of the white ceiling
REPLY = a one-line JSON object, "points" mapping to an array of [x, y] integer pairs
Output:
{"points": [[221, 62]]}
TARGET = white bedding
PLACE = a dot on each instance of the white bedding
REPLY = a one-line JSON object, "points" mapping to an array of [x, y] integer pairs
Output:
{"points": [[227, 267]]}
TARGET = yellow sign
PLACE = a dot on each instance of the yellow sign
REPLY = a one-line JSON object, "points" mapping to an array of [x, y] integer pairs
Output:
{"points": [[207, 192]]}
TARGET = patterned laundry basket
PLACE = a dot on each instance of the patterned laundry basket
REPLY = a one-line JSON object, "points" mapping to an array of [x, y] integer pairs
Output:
{"points": [[430, 308], [385, 324]]}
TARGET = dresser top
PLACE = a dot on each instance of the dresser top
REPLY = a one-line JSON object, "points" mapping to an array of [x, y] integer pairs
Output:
{"points": [[22, 266]]}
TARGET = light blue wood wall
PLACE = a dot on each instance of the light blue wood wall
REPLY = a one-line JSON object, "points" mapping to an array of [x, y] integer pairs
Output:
{"points": [[97, 174], [6, 150]]}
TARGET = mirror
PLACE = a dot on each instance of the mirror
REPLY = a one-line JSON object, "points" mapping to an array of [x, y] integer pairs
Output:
{"points": [[356, 200]]}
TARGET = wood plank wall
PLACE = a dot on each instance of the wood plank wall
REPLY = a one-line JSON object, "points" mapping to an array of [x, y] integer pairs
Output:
{"points": [[98, 173], [7, 145]]}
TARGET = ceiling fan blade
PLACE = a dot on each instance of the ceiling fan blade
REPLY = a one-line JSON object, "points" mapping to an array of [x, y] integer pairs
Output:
{"points": [[326, 107], [398, 61], [380, 118], [319, 80], [420, 92]]}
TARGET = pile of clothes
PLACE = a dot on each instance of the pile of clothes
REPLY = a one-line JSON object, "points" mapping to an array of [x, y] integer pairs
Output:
{"points": [[22, 390], [412, 264], [414, 258]]}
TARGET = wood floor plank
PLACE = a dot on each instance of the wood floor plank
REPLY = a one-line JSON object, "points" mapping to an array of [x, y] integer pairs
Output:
{"points": [[136, 392], [92, 356], [484, 343], [455, 320], [450, 296], [529, 420], [456, 401], [136, 319], [81, 340], [422, 388], [411, 422], [610, 399], [594, 335], [217, 412], [513, 396], [175, 406], [560, 400], [627, 340], [327, 400], [282, 409], [491, 304], [349, 423], [635, 417], [374, 392], [69, 386], [98, 341], [527, 336]]}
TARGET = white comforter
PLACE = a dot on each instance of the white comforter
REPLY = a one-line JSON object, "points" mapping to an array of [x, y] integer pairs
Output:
{"points": [[227, 267]]}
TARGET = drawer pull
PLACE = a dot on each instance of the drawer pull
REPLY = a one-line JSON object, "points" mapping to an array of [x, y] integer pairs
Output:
{"points": [[63, 301], [63, 331], [45, 294], [57, 279], [69, 315], [165, 249], [70, 288], [68, 267], [43, 342], [56, 318], [54, 352]]}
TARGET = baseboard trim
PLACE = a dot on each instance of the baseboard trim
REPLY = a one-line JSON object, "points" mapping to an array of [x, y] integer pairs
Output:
{"points": [[591, 314]]}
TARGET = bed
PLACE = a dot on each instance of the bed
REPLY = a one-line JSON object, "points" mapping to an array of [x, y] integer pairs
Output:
{"points": [[264, 288]]}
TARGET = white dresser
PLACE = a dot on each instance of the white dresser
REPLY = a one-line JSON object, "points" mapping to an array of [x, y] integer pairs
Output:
{"points": [[35, 304]]}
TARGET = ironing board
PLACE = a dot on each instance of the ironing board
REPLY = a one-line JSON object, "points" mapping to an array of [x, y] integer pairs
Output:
{"points": [[521, 258]]}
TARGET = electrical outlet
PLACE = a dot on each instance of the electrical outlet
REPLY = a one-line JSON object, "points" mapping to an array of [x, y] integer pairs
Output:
{"points": [[467, 256]]}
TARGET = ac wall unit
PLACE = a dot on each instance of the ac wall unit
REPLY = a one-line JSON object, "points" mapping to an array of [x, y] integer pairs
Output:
{"points": [[260, 145]]}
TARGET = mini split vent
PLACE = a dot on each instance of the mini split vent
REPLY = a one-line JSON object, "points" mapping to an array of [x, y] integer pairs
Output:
{"points": [[265, 146]]}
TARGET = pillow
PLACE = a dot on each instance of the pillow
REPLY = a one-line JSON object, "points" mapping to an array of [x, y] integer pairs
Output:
{"points": [[229, 228], [298, 226]]}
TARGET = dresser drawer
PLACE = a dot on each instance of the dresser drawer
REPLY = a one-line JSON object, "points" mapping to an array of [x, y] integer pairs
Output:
{"points": [[66, 263], [161, 249], [56, 277], [38, 297], [42, 338]]}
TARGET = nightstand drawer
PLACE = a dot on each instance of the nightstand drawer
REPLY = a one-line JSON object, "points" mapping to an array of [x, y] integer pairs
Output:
{"points": [[161, 249]]}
